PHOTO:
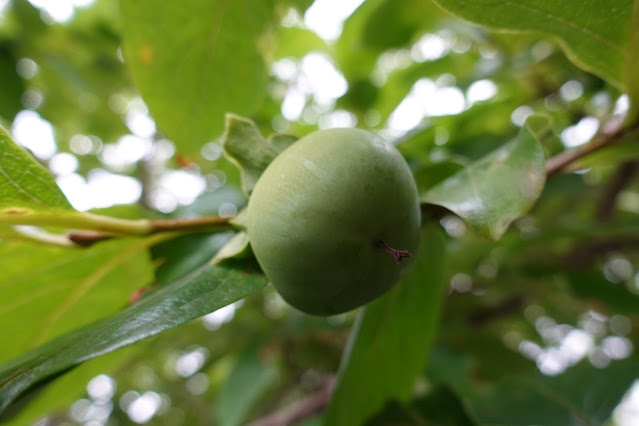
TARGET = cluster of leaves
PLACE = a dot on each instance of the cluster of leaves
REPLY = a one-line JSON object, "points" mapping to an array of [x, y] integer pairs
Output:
{"points": [[515, 258]]}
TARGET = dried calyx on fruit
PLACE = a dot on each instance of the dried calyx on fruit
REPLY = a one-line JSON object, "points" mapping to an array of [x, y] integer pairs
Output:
{"points": [[333, 220]]}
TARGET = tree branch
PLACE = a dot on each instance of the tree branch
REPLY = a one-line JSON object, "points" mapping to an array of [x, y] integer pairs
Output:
{"points": [[622, 177], [562, 160], [305, 408]]}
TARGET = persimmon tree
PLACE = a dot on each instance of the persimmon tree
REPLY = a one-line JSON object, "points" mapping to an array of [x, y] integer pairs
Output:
{"points": [[519, 122]]}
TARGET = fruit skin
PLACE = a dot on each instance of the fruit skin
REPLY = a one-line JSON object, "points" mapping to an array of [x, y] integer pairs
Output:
{"points": [[318, 213]]}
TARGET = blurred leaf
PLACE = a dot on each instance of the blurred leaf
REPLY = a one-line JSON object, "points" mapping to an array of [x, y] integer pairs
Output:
{"points": [[244, 146], [201, 292], [79, 74], [632, 65], [391, 339], [395, 414], [377, 25], [194, 61], [497, 189], [11, 83], [25, 185], [401, 80], [472, 133], [58, 394], [595, 40], [439, 407], [296, 42], [592, 285], [582, 395], [246, 383], [209, 203]]}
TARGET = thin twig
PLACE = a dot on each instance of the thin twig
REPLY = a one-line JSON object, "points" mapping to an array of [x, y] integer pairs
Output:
{"points": [[305, 408], [621, 179], [562, 160], [585, 254], [200, 224]]}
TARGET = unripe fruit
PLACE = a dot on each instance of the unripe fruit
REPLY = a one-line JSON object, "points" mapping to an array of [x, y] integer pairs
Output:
{"points": [[331, 219]]}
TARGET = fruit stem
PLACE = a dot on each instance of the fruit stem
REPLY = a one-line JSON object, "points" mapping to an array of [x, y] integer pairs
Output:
{"points": [[399, 255]]}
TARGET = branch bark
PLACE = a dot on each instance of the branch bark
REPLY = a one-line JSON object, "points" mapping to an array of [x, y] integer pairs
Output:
{"points": [[303, 409], [623, 177], [560, 161]]}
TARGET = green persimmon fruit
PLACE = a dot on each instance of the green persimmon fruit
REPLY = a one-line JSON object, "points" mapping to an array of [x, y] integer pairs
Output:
{"points": [[331, 219]]}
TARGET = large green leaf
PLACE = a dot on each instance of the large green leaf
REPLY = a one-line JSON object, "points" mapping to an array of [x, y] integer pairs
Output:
{"points": [[195, 60], [594, 33], [391, 339], [495, 190], [203, 291], [583, 395], [25, 185], [50, 290]]}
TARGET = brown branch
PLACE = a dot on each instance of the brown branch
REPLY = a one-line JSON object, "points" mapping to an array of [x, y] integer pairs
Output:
{"points": [[505, 308], [200, 224], [303, 409], [206, 223], [585, 254], [622, 177], [563, 159]]}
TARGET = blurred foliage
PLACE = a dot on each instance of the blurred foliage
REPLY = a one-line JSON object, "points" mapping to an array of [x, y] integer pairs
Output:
{"points": [[539, 326]]}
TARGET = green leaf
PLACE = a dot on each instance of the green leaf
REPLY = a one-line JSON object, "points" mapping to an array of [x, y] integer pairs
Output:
{"points": [[391, 339], [248, 150], [12, 84], [59, 394], [589, 283], [195, 60], [296, 42], [179, 256], [25, 185], [441, 406], [632, 67], [582, 395], [203, 291], [500, 187], [593, 34], [379, 25], [248, 381], [237, 247], [50, 290]]}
